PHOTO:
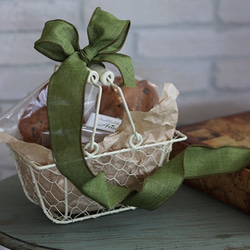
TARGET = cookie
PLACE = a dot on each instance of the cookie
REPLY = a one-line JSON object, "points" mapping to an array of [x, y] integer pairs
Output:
{"points": [[143, 97], [31, 126], [34, 119]]}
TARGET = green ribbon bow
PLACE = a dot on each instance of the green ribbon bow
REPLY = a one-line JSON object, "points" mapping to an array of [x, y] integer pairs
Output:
{"points": [[106, 33]]}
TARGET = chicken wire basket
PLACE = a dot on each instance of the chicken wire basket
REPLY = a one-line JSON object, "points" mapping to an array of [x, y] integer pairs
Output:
{"points": [[61, 201]]}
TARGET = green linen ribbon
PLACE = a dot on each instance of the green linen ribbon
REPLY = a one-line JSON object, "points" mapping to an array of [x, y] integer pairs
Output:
{"points": [[59, 41], [194, 162], [106, 33]]}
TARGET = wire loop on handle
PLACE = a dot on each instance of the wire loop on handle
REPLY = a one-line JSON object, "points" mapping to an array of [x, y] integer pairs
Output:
{"points": [[135, 140], [106, 77], [91, 148], [93, 77]]}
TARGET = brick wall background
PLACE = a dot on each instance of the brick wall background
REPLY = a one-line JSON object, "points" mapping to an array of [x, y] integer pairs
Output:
{"points": [[202, 46]]}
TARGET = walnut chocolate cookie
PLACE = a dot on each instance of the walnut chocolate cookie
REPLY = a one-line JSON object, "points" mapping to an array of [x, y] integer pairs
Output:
{"points": [[32, 126], [143, 97], [34, 119]]}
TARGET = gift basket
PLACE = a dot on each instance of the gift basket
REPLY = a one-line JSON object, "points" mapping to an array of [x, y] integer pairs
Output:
{"points": [[60, 200], [87, 143]]}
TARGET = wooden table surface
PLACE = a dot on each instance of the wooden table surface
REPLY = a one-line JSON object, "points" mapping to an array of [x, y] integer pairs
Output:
{"points": [[189, 220]]}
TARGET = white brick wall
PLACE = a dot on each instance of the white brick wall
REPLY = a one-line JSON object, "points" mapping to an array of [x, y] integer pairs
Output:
{"points": [[157, 13], [202, 46], [234, 11], [27, 16], [203, 42], [233, 74]]}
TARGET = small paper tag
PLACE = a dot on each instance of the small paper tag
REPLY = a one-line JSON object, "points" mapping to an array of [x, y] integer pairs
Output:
{"points": [[106, 123]]}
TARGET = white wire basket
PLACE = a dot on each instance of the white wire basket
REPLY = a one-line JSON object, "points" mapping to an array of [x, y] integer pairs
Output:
{"points": [[61, 201]]}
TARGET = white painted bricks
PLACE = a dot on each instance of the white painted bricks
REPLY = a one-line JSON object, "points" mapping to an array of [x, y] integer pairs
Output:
{"points": [[193, 43], [26, 16], [202, 46], [233, 74], [234, 11], [157, 12]]}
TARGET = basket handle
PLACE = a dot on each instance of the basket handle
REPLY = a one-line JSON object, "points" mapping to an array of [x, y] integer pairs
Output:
{"points": [[106, 77]]}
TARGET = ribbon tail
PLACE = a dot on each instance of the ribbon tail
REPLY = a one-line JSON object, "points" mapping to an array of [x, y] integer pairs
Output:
{"points": [[200, 161], [107, 195], [65, 111], [194, 162], [160, 186], [123, 63]]}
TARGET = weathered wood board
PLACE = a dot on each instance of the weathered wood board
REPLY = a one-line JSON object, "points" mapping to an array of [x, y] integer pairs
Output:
{"points": [[234, 130]]}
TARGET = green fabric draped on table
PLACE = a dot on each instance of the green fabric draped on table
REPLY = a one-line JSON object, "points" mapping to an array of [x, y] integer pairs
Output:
{"points": [[59, 41]]}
